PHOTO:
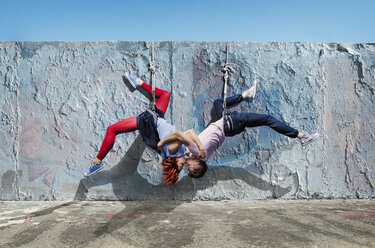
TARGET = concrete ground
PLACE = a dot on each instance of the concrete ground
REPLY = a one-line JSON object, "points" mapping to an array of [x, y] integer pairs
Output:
{"points": [[276, 223]]}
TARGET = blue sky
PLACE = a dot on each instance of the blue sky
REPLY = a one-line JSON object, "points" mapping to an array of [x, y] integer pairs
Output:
{"points": [[189, 20]]}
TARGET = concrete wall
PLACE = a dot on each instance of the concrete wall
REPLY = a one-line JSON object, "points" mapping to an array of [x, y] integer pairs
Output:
{"points": [[57, 99]]}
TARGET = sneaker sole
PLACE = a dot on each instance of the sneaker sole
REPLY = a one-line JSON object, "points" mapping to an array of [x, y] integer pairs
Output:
{"points": [[314, 138], [250, 99], [256, 89], [94, 172], [126, 77]]}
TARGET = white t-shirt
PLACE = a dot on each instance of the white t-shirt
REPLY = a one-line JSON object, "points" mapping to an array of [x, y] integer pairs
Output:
{"points": [[212, 138]]}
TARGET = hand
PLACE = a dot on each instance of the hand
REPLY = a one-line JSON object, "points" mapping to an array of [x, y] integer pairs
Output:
{"points": [[159, 145], [201, 154]]}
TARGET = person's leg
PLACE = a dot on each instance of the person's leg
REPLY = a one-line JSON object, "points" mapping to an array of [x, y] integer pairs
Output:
{"points": [[163, 96], [243, 120], [130, 125], [124, 126], [232, 100]]}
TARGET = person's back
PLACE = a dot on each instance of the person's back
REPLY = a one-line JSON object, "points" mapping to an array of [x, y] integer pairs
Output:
{"points": [[212, 138], [164, 128]]}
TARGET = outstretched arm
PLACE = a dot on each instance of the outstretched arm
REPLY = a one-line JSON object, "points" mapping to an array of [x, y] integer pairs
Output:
{"points": [[197, 141], [175, 140]]}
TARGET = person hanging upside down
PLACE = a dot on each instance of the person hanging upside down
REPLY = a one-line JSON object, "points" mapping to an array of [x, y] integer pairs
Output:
{"points": [[153, 127], [214, 135]]}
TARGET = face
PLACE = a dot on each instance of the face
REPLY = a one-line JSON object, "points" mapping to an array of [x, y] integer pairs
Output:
{"points": [[181, 162], [193, 164]]}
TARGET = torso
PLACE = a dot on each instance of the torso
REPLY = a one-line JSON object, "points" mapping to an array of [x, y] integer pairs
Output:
{"points": [[164, 128], [212, 138]]}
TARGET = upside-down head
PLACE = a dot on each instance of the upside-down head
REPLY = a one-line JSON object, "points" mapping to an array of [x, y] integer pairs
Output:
{"points": [[171, 170], [197, 168]]}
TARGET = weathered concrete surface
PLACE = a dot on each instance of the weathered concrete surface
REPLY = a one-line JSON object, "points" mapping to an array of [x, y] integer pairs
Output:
{"points": [[57, 99], [277, 223]]}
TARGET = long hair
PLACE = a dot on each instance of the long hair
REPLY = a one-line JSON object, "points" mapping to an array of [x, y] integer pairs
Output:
{"points": [[170, 171]]}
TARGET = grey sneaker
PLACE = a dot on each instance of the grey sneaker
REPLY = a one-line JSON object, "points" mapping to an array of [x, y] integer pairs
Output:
{"points": [[130, 80], [308, 138], [250, 94]]}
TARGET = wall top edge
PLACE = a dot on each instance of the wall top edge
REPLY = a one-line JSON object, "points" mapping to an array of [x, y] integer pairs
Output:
{"points": [[177, 42]]}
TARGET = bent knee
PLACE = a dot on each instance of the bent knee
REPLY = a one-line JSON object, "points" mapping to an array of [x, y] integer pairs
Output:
{"points": [[218, 102], [166, 94], [111, 128]]}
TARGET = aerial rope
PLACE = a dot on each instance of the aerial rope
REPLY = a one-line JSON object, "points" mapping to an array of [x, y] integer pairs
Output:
{"points": [[151, 68], [170, 170], [227, 69]]}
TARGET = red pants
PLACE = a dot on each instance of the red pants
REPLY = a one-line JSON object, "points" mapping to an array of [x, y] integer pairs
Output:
{"points": [[130, 124]]}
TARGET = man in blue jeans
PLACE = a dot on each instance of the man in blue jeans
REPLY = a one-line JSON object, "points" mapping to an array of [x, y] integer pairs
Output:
{"points": [[231, 124]]}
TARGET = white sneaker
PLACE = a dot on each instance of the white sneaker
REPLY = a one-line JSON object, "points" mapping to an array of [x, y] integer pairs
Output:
{"points": [[308, 138], [250, 94]]}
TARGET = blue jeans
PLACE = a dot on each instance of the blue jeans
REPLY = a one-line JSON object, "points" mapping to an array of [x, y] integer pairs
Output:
{"points": [[245, 119]]}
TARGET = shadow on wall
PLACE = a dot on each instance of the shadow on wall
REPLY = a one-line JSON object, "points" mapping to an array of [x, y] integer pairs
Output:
{"points": [[128, 184]]}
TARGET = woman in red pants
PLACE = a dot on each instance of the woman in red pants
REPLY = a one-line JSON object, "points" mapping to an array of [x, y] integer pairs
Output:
{"points": [[153, 128]]}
